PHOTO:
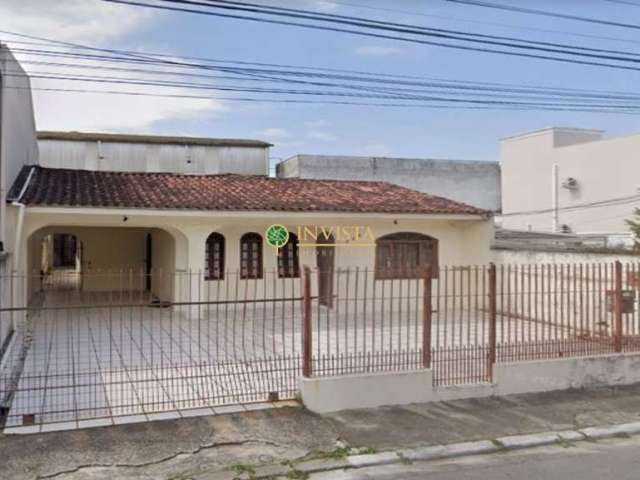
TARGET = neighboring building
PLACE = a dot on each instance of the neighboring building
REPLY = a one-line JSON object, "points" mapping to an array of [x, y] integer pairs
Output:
{"points": [[476, 183], [570, 180], [18, 144], [150, 153], [18, 147]]}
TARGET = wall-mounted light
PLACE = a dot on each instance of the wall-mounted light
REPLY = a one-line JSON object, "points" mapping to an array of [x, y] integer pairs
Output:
{"points": [[124, 219]]}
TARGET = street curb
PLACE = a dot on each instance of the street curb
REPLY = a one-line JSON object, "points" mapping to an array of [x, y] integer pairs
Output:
{"points": [[439, 452]]}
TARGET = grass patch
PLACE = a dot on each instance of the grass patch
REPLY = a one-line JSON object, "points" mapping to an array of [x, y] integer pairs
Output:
{"points": [[497, 443], [341, 452], [243, 469], [297, 475], [564, 443]]}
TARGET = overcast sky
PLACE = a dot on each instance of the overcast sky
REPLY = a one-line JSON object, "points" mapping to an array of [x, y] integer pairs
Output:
{"points": [[317, 129]]}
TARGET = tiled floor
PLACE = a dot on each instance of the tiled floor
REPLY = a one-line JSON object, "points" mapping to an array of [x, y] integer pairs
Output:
{"points": [[130, 363]]}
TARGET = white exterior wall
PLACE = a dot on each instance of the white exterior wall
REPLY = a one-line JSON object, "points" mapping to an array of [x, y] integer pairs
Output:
{"points": [[151, 157], [604, 169], [533, 257], [18, 144]]}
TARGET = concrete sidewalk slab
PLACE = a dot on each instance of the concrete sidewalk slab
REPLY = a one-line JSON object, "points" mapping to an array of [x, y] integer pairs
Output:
{"points": [[208, 447], [478, 419]]}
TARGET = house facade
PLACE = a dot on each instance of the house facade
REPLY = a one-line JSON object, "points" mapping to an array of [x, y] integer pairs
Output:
{"points": [[167, 230]]}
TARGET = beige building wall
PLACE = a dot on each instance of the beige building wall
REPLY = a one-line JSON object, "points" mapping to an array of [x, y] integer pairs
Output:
{"points": [[535, 166], [179, 239]]}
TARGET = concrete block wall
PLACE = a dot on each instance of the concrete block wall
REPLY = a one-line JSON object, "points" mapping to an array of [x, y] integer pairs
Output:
{"points": [[476, 183], [332, 394]]}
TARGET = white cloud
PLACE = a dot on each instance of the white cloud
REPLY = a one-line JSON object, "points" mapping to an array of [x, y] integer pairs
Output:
{"points": [[376, 51], [320, 135], [275, 133], [72, 20], [96, 23]]}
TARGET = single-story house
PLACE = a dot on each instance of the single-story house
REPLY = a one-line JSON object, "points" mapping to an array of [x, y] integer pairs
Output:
{"points": [[212, 227]]}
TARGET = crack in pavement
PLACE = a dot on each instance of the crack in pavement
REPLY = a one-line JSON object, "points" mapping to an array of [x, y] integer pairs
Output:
{"points": [[201, 448]]}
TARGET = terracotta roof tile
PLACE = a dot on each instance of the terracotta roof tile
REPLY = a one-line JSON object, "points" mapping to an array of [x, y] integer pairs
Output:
{"points": [[229, 192]]}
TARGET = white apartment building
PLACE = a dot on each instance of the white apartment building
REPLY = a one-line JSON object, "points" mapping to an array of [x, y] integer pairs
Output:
{"points": [[570, 180]]}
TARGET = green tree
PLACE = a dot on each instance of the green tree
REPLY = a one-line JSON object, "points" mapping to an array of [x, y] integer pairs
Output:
{"points": [[634, 226]]}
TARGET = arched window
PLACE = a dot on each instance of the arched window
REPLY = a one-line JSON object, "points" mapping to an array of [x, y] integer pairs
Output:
{"points": [[214, 257], [251, 255], [288, 262], [404, 255]]}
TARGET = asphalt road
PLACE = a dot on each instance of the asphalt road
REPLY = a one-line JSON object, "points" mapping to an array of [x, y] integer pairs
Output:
{"points": [[613, 459]]}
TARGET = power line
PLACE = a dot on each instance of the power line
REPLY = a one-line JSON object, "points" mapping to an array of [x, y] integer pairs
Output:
{"points": [[369, 77], [624, 2], [545, 13], [408, 39], [268, 100], [493, 94], [504, 95], [493, 24], [631, 199], [536, 103], [392, 26], [150, 58]]}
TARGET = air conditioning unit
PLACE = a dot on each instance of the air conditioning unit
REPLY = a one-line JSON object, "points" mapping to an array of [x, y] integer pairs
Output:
{"points": [[570, 183]]}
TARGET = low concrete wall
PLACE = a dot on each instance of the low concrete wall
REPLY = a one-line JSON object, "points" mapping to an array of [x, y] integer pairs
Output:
{"points": [[561, 374], [331, 394], [509, 256]]}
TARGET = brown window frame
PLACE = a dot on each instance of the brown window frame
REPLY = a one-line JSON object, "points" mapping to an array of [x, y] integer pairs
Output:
{"points": [[398, 245], [289, 258], [251, 268], [211, 256]]}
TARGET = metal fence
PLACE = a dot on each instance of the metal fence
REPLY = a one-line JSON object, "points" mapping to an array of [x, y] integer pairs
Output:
{"points": [[460, 321], [113, 344]]}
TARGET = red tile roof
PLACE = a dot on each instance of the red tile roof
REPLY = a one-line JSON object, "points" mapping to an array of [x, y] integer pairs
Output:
{"points": [[229, 192]]}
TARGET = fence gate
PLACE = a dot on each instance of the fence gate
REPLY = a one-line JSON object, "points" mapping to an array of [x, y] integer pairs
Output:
{"points": [[109, 348]]}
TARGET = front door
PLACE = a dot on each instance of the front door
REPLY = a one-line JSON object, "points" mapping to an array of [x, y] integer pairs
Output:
{"points": [[325, 261]]}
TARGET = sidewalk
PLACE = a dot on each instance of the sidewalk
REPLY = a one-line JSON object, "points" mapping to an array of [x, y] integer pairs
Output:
{"points": [[243, 444]]}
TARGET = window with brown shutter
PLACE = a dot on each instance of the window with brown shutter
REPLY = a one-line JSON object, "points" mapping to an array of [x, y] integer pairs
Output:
{"points": [[288, 259], [214, 257], [251, 255], [405, 254]]}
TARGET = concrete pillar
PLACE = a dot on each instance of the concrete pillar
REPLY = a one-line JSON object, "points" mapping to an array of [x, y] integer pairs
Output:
{"points": [[192, 284]]}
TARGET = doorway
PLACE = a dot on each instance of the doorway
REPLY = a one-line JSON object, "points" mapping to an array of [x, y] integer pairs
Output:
{"points": [[325, 259], [65, 250]]}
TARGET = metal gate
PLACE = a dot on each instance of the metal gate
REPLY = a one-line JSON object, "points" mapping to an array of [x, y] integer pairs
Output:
{"points": [[118, 351]]}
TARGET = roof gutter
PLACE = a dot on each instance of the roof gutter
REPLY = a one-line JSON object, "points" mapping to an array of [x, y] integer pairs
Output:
{"points": [[19, 226]]}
